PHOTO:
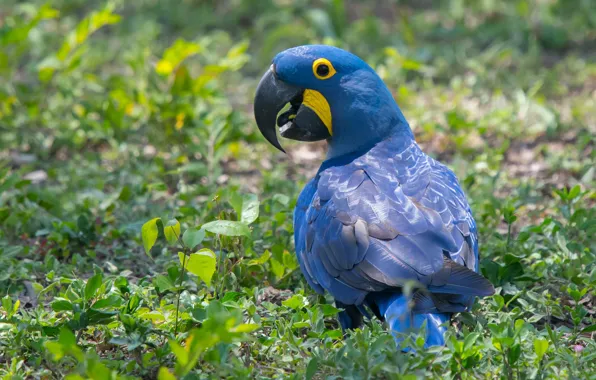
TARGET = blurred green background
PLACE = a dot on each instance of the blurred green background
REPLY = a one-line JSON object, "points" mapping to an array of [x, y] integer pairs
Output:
{"points": [[114, 113]]}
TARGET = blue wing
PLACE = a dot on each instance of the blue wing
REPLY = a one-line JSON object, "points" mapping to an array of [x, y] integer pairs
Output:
{"points": [[383, 219]]}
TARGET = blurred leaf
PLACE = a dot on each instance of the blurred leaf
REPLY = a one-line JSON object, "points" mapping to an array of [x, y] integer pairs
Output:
{"points": [[163, 283], [165, 374], [290, 261], [328, 310], [172, 231], [88, 26], [540, 347], [61, 305], [149, 233], [198, 341], [281, 198], [261, 260], [250, 208], [227, 228], [246, 207], [152, 316], [295, 302], [175, 54], [193, 237], [201, 263], [65, 345], [311, 368], [182, 80], [92, 285], [245, 328], [277, 268]]}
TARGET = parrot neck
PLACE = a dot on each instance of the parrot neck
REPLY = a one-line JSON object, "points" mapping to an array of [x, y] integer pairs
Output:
{"points": [[363, 115]]}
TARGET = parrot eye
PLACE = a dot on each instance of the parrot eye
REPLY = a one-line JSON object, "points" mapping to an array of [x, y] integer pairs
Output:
{"points": [[323, 69]]}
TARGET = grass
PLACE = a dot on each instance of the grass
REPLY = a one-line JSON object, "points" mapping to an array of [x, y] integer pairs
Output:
{"points": [[146, 226]]}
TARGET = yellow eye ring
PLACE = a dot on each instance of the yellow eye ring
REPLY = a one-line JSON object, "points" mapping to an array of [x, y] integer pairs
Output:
{"points": [[323, 69]]}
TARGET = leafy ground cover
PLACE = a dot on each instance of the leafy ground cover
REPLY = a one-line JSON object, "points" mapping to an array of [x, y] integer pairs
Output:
{"points": [[146, 226]]}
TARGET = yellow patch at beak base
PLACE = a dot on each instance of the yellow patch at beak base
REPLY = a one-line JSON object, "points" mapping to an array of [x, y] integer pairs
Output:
{"points": [[317, 102]]}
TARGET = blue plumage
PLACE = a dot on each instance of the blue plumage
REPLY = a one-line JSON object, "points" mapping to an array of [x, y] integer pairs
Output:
{"points": [[396, 311], [380, 213], [365, 228]]}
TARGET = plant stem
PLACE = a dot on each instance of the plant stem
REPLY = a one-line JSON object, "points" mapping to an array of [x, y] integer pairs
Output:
{"points": [[221, 265], [180, 292]]}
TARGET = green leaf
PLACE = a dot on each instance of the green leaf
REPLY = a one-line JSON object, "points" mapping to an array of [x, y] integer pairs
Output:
{"points": [[334, 334], [282, 199], [328, 310], [589, 329], [295, 302], [55, 349], [125, 194], [96, 370], [153, 316], [301, 325], [290, 261], [46, 12], [172, 231], [175, 54], [100, 317], [409, 377], [201, 264], [86, 27], [227, 228], [193, 237], [165, 374], [261, 260], [246, 207], [245, 328], [250, 208], [163, 283], [514, 353], [277, 268], [540, 347], [112, 301], [574, 192], [75, 376], [180, 353], [311, 368], [149, 234], [552, 335], [7, 303], [62, 305], [197, 342], [236, 200], [231, 296], [92, 285], [65, 345], [133, 303], [182, 80], [470, 341]]}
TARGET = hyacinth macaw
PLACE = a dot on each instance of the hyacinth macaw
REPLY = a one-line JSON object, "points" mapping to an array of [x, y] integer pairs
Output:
{"points": [[380, 213]]}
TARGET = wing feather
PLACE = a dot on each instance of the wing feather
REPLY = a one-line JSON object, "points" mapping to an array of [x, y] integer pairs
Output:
{"points": [[385, 219]]}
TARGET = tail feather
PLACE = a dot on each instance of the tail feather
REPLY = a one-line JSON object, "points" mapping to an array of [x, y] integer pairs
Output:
{"points": [[401, 320], [461, 280]]}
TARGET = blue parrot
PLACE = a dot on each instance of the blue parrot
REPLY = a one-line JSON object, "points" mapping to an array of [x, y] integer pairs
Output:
{"points": [[380, 213]]}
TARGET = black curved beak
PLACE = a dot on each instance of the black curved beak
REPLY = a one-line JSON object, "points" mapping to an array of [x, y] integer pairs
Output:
{"points": [[298, 123]]}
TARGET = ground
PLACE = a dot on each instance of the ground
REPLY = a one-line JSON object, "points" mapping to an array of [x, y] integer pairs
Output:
{"points": [[146, 225]]}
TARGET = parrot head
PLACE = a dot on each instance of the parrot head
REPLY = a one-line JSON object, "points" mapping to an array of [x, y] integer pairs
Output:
{"points": [[332, 95]]}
